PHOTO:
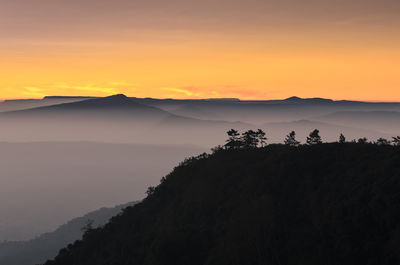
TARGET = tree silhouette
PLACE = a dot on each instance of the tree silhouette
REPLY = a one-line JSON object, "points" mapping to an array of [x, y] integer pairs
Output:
{"points": [[362, 140], [342, 139], [291, 139], [262, 139], [314, 138], [250, 139], [88, 226], [396, 141], [234, 140], [382, 141], [343, 198], [150, 191]]}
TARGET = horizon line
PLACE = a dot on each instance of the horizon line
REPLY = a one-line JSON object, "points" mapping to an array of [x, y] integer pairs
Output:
{"points": [[2, 100]]}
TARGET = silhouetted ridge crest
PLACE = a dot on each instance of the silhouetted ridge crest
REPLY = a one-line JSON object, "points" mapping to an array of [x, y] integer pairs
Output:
{"points": [[294, 98], [118, 102], [115, 100], [67, 97], [308, 205], [308, 100], [117, 97]]}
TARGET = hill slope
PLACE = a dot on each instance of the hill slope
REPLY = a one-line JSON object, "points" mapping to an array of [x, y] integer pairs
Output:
{"points": [[47, 245], [76, 177], [325, 204], [21, 104], [259, 112], [112, 105], [385, 121], [116, 119]]}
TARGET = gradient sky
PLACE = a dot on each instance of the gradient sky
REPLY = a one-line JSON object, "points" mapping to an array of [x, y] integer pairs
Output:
{"points": [[250, 49]]}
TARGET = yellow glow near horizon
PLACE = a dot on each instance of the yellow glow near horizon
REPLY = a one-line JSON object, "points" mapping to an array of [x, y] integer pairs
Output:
{"points": [[204, 72], [332, 55]]}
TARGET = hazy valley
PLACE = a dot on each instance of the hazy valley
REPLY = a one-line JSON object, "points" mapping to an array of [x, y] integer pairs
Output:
{"points": [[80, 154]]}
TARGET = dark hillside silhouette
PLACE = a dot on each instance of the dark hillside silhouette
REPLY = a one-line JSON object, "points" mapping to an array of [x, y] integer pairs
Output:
{"points": [[334, 204], [46, 184], [38, 250]]}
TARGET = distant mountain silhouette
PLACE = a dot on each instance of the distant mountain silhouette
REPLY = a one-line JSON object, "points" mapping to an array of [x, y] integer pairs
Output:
{"points": [[115, 118], [386, 121], [38, 250], [21, 104], [10, 105], [119, 118], [262, 111], [308, 100], [311, 205], [223, 99], [112, 103], [351, 115], [294, 98], [67, 97]]}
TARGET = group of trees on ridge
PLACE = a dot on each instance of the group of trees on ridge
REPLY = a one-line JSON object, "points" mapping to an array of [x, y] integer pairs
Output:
{"points": [[333, 204], [254, 139]]}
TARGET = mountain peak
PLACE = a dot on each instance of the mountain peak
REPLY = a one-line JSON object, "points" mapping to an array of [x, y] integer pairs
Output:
{"points": [[117, 96], [294, 98], [117, 99], [308, 100], [114, 98], [117, 102]]}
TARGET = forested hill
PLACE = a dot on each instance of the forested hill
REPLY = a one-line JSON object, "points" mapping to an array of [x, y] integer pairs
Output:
{"points": [[321, 204], [47, 245]]}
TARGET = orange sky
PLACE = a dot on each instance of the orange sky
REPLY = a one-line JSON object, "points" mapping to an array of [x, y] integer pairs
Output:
{"points": [[254, 49]]}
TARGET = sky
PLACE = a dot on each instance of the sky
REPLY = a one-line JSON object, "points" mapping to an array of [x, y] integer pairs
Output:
{"points": [[248, 49]]}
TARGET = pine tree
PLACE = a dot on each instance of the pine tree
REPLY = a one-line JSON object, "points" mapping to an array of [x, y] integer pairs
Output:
{"points": [[249, 139], [362, 140], [396, 141], [382, 141], [342, 139], [314, 138], [291, 139], [262, 139], [233, 141]]}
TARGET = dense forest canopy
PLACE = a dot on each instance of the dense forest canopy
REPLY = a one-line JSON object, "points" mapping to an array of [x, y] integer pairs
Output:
{"points": [[336, 203]]}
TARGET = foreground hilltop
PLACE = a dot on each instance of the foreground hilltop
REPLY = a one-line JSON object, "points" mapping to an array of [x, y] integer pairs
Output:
{"points": [[321, 204]]}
